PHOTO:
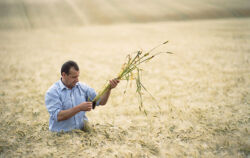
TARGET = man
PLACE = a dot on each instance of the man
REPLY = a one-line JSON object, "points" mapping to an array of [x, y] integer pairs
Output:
{"points": [[68, 99]]}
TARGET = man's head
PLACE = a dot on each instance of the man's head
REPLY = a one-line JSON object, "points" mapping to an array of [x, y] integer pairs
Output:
{"points": [[70, 73]]}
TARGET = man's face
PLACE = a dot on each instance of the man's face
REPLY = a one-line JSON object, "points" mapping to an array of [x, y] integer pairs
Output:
{"points": [[71, 79]]}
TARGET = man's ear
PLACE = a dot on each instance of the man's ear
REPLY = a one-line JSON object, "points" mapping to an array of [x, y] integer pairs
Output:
{"points": [[63, 74]]}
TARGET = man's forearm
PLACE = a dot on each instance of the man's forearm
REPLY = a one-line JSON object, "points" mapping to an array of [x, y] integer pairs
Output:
{"points": [[105, 97], [66, 114]]}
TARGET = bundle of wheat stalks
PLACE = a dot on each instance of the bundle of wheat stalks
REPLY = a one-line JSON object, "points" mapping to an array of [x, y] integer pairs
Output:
{"points": [[131, 71]]}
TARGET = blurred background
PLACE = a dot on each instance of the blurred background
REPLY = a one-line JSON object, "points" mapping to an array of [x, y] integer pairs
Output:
{"points": [[30, 14]]}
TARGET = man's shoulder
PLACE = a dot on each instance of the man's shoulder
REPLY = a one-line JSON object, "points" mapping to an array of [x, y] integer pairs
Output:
{"points": [[83, 85], [54, 88]]}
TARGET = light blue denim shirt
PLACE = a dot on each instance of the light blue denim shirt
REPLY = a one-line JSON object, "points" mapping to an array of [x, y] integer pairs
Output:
{"points": [[59, 97]]}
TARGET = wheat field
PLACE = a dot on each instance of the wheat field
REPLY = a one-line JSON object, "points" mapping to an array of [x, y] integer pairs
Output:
{"points": [[203, 89]]}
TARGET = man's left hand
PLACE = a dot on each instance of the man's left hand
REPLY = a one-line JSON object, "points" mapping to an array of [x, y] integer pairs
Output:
{"points": [[113, 83]]}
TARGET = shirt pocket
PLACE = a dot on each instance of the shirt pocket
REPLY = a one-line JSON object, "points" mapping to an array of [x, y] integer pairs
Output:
{"points": [[66, 103], [81, 98]]}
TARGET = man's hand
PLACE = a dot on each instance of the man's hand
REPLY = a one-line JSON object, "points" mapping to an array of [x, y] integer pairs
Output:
{"points": [[113, 83], [85, 106], [66, 114]]}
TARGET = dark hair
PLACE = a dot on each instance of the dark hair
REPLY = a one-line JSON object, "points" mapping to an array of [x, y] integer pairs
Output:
{"points": [[67, 65]]}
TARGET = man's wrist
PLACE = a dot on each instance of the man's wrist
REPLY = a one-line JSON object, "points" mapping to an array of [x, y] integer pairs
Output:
{"points": [[78, 109]]}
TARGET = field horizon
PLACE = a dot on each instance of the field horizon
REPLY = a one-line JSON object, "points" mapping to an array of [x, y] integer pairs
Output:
{"points": [[27, 14]]}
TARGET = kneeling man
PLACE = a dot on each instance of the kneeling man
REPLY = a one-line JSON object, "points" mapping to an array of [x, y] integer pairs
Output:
{"points": [[67, 100]]}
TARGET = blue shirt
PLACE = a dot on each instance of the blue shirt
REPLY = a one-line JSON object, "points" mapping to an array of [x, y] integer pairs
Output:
{"points": [[59, 97]]}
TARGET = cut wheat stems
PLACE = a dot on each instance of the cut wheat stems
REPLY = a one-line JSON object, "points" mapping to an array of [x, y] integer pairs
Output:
{"points": [[131, 71]]}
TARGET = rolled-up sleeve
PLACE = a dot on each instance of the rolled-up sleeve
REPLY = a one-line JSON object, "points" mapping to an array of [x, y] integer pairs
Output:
{"points": [[92, 94], [53, 104]]}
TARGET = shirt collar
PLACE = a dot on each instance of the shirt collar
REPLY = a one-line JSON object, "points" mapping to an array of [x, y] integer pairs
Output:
{"points": [[62, 86]]}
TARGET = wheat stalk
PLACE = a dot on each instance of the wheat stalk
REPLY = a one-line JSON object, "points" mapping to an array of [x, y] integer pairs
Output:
{"points": [[128, 73]]}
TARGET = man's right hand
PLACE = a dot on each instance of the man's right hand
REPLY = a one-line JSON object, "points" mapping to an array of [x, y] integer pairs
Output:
{"points": [[66, 114], [85, 106]]}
